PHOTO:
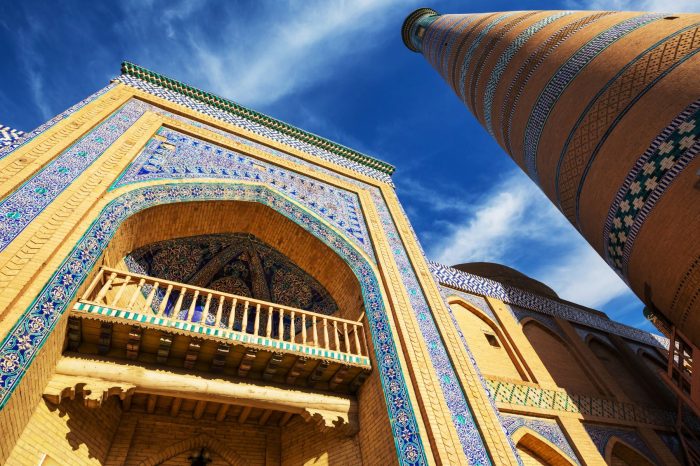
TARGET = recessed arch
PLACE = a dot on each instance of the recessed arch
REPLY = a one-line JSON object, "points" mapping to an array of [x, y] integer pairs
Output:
{"points": [[565, 368], [534, 449], [620, 453], [193, 444], [491, 349]]}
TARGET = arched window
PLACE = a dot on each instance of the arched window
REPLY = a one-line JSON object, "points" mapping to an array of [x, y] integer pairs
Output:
{"points": [[621, 454], [534, 450], [563, 366], [485, 342]]}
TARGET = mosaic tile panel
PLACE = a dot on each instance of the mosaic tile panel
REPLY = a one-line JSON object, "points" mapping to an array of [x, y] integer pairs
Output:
{"points": [[9, 136], [476, 301], [646, 182], [25, 339], [173, 155], [564, 76], [483, 286], [6, 149], [256, 128], [547, 428], [19, 208], [601, 435]]}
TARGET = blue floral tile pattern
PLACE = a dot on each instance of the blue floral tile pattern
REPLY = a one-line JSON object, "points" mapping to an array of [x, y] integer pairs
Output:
{"points": [[9, 136], [19, 208], [547, 428], [174, 155], [601, 435], [27, 336]]}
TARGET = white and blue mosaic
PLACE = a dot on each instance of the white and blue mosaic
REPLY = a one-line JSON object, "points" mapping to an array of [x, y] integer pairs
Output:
{"points": [[547, 428], [601, 435]]}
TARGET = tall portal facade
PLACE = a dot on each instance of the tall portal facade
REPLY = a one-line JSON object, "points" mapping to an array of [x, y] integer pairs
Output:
{"points": [[601, 110], [185, 281]]}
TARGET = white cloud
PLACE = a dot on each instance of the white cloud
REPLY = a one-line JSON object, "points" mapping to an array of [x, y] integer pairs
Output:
{"points": [[675, 6], [32, 66], [515, 215]]}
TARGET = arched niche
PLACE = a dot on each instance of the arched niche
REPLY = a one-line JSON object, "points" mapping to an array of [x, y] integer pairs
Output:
{"points": [[535, 450], [620, 453], [486, 341], [178, 452], [619, 370], [562, 364]]}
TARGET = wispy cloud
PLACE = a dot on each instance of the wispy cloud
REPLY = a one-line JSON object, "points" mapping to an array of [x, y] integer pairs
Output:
{"points": [[675, 6], [515, 219], [32, 66]]}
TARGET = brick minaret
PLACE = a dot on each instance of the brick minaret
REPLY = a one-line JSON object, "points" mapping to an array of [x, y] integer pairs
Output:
{"points": [[601, 110]]}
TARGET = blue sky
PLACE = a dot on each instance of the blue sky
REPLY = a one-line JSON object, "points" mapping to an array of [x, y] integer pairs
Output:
{"points": [[338, 69]]}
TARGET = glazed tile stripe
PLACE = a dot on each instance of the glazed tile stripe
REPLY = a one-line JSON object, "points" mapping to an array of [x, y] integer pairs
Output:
{"points": [[667, 155], [528, 69], [9, 135], [690, 282], [598, 120], [462, 416], [5, 150], [19, 208], [28, 335], [488, 51], [256, 128], [436, 35], [469, 283], [464, 68], [564, 76], [194, 158], [464, 42], [504, 61], [452, 35], [548, 429]]}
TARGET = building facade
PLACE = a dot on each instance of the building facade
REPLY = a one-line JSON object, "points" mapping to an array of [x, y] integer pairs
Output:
{"points": [[187, 281]]}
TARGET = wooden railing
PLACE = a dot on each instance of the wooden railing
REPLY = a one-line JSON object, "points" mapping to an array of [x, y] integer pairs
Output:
{"points": [[128, 291]]}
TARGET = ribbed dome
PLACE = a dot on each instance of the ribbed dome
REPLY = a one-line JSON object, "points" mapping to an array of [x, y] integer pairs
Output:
{"points": [[506, 275]]}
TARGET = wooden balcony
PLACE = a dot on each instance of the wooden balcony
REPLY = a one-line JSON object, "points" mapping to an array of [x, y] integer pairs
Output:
{"points": [[127, 315]]}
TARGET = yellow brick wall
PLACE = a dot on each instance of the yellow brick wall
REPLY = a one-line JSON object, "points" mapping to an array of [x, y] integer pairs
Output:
{"points": [[303, 445]]}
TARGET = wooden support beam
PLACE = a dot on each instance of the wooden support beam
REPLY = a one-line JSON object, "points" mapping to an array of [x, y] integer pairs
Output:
{"points": [[151, 403], [296, 369], [265, 416], [272, 366], [223, 409], [318, 372], [134, 342], [285, 419], [339, 377], [126, 403], [75, 333], [199, 409], [247, 362], [244, 414], [175, 406], [166, 341], [192, 353], [219, 360], [105, 340], [358, 380]]}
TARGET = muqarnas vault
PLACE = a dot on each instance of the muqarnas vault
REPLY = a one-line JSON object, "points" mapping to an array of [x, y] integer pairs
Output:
{"points": [[187, 281]]}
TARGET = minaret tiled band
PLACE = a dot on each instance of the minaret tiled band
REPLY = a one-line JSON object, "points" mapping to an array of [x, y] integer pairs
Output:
{"points": [[601, 110]]}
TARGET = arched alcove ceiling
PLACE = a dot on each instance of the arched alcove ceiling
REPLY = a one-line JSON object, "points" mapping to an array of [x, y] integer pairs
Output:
{"points": [[237, 263]]}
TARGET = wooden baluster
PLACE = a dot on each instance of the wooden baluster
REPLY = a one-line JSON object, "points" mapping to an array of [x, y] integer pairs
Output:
{"points": [[135, 294], [93, 285], [205, 311], [325, 334], [219, 311], [164, 302], [105, 288], [303, 329], [244, 324], [364, 341], [268, 331], [232, 314], [280, 326], [292, 327], [356, 331], [256, 326], [315, 330], [190, 312], [178, 304], [347, 338], [335, 333], [151, 295], [122, 288]]}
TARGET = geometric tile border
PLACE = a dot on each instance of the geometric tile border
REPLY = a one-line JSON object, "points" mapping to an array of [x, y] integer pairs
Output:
{"points": [[547, 428]]}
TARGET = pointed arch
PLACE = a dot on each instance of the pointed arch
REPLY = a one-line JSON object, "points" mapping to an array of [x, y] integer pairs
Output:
{"points": [[620, 453], [490, 348], [563, 365], [192, 444], [534, 449]]}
